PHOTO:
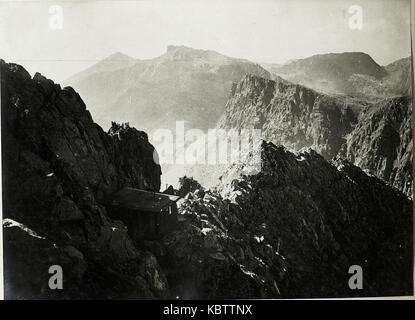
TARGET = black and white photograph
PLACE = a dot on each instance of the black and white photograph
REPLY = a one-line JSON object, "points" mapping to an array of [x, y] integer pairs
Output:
{"points": [[206, 150]]}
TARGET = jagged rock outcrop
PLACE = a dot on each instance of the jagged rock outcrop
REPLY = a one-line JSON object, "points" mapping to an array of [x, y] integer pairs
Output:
{"points": [[290, 114], [322, 218], [381, 142], [292, 230], [58, 169]]}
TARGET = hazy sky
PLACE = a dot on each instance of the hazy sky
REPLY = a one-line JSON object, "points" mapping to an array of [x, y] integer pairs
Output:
{"points": [[262, 31]]}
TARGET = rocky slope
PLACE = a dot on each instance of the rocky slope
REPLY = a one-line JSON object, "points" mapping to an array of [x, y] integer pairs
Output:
{"points": [[350, 73], [182, 84], [293, 230], [397, 82], [382, 143], [58, 169]]}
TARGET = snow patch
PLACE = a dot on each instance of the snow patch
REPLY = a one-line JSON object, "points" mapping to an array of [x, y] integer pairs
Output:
{"points": [[9, 223], [205, 231], [259, 239]]}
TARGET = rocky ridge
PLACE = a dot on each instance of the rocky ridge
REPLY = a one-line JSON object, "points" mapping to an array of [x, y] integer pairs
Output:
{"points": [[323, 217]]}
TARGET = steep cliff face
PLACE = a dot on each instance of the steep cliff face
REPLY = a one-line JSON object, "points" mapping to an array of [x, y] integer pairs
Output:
{"points": [[58, 169], [289, 114], [324, 217], [382, 143]]}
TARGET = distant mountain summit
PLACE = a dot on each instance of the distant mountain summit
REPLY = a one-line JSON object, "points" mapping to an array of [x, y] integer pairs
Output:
{"points": [[182, 84], [336, 64], [350, 73], [183, 53], [114, 62]]}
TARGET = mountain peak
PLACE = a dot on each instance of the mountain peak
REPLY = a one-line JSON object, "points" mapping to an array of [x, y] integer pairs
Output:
{"points": [[347, 60], [119, 56], [334, 73]]}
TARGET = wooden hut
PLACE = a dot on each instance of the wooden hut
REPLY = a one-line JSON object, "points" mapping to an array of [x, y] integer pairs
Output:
{"points": [[147, 214]]}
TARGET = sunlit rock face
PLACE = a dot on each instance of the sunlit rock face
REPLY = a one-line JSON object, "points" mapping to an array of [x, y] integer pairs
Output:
{"points": [[382, 142]]}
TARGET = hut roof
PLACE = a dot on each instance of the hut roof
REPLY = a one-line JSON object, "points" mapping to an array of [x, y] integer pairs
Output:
{"points": [[142, 200]]}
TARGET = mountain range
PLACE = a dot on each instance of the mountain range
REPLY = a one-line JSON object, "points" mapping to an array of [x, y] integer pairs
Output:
{"points": [[318, 102], [334, 189], [182, 84]]}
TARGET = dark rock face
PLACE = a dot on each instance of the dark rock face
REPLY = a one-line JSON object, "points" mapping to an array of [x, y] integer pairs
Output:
{"points": [[289, 114], [58, 169], [293, 230], [382, 143]]}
